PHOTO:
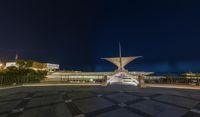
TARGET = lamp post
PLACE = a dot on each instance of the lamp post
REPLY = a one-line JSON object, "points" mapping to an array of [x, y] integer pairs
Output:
{"points": [[1, 66], [141, 81]]}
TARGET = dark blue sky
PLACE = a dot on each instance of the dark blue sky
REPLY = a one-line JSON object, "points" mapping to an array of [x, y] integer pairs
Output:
{"points": [[77, 33]]}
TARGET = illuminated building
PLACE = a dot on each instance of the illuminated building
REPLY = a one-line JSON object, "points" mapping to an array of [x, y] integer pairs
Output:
{"points": [[11, 64], [119, 76], [35, 65]]}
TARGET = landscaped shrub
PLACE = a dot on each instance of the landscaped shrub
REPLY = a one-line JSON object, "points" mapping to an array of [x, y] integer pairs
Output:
{"points": [[13, 75]]}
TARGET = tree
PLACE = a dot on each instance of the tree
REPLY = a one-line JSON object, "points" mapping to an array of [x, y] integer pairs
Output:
{"points": [[22, 64]]}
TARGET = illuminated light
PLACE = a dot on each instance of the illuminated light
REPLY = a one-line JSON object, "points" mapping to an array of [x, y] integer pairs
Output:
{"points": [[1, 66], [68, 101]]}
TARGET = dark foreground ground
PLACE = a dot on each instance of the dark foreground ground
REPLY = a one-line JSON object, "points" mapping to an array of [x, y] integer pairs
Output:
{"points": [[97, 101]]}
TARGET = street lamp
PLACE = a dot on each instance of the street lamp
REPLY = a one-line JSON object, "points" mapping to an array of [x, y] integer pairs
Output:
{"points": [[1, 65]]}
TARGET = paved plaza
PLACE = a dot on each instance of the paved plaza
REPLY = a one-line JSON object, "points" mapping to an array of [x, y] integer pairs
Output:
{"points": [[98, 101]]}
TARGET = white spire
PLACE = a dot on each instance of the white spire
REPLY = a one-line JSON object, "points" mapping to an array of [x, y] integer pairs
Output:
{"points": [[120, 56], [120, 50], [120, 61], [16, 56]]}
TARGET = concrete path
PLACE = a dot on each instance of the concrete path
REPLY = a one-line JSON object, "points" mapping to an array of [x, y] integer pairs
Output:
{"points": [[173, 86]]}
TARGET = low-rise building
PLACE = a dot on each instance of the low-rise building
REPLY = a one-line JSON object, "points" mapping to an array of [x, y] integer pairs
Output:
{"points": [[34, 65], [45, 66], [52, 67], [11, 64]]}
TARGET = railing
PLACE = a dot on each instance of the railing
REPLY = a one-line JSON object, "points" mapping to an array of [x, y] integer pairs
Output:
{"points": [[180, 80]]}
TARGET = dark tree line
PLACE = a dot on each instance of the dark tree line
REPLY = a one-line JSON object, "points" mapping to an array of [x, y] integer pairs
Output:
{"points": [[20, 75]]}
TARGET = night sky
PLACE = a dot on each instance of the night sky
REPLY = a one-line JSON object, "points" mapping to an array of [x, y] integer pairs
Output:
{"points": [[77, 33]]}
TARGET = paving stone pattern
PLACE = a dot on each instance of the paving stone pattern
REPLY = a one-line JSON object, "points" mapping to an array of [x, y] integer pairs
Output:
{"points": [[91, 103]]}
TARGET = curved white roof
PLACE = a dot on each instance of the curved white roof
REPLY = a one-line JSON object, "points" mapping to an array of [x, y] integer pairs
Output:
{"points": [[121, 62]]}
